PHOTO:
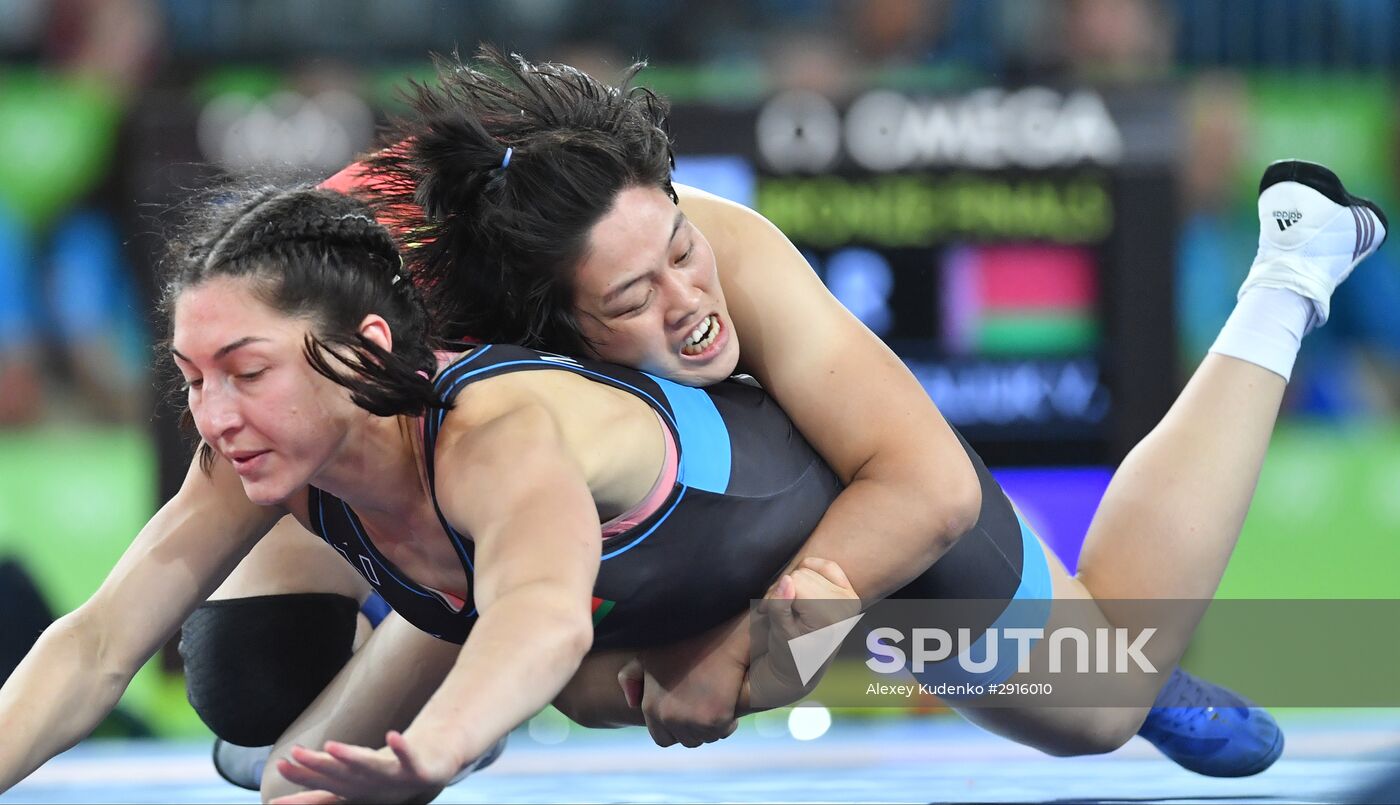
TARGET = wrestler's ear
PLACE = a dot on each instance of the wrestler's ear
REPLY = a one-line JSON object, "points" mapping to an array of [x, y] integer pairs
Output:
{"points": [[376, 329]]}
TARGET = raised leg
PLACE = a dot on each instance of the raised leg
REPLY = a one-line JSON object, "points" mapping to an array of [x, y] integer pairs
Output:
{"points": [[1172, 514]]}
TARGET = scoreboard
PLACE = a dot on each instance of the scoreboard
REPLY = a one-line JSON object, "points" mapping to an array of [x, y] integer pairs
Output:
{"points": [[1014, 247]]}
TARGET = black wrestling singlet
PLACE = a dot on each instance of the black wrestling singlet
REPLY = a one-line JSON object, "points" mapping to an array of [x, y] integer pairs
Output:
{"points": [[749, 491]]}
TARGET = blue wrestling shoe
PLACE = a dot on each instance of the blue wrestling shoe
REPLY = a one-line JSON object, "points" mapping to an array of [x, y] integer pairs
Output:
{"points": [[1210, 730]]}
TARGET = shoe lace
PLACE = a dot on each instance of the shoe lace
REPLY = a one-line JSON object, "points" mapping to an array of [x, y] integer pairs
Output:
{"points": [[1190, 703]]}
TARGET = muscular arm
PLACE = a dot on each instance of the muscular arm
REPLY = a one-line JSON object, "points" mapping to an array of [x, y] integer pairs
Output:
{"points": [[911, 491], [81, 665], [512, 484]]}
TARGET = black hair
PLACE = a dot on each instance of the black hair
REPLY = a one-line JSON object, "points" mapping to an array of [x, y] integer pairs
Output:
{"points": [[322, 255], [496, 178]]}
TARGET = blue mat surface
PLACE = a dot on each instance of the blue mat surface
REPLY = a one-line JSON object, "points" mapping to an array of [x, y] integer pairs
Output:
{"points": [[1329, 755]]}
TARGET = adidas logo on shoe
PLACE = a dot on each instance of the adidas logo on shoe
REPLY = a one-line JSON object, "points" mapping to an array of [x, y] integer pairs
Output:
{"points": [[1286, 218], [1319, 232]]}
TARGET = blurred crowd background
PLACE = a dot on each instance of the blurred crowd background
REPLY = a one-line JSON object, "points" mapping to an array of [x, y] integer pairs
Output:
{"points": [[97, 137]]}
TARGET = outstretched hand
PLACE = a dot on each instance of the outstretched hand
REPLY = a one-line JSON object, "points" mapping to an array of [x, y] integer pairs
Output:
{"points": [[340, 772]]}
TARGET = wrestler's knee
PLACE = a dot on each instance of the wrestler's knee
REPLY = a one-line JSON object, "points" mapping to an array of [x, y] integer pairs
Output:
{"points": [[252, 665], [1092, 731]]}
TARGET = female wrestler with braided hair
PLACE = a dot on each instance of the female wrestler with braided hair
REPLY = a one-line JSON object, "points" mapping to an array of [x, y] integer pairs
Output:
{"points": [[310, 407], [543, 190], [548, 219], [468, 488]]}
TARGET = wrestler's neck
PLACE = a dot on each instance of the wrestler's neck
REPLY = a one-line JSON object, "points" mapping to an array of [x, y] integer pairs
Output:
{"points": [[376, 466]]}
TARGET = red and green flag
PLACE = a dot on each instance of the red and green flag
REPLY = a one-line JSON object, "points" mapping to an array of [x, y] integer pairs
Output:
{"points": [[601, 608], [1024, 299]]}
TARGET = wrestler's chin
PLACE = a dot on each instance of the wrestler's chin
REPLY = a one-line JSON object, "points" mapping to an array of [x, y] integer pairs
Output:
{"points": [[268, 488], [266, 495]]}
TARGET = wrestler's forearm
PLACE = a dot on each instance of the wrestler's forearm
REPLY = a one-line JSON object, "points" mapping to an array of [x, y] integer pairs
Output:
{"points": [[878, 556], [519, 656], [880, 541], [878, 536], [56, 696]]}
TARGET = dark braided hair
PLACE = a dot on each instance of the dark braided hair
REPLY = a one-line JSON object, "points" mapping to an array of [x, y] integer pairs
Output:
{"points": [[320, 255], [495, 245]]}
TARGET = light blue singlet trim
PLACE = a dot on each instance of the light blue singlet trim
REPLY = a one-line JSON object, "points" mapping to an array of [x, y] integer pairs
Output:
{"points": [[706, 454], [1029, 608]]}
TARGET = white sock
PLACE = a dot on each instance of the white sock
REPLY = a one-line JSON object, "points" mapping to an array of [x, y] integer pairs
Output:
{"points": [[1266, 329]]}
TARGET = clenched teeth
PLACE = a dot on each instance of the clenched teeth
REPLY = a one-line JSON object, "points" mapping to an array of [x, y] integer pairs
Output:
{"points": [[702, 336]]}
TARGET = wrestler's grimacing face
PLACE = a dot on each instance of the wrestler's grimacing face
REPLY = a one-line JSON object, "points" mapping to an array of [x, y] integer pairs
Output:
{"points": [[647, 293]]}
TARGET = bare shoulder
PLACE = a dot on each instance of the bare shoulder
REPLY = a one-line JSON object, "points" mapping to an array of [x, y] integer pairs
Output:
{"points": [[494, 413], [610, 436], [697, 202], [841, 385], [508, 431], [754, 257], [779, 305], [726, 224], [547, 391]]}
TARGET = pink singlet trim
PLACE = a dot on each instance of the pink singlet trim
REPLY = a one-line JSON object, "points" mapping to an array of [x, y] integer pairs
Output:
{"points": [[659, 491], [453, 601]]}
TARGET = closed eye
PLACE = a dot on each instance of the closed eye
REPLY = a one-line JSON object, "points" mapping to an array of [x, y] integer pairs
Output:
{"points": [[637, 308]]}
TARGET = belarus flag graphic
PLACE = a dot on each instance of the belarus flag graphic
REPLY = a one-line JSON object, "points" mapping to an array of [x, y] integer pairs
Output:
{"points": [[1019, 300]]}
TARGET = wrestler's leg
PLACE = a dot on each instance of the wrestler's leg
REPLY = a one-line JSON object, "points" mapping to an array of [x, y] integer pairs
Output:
{"points": [[1172, 514], [1065, 731], [272, 636], [381, 688]]}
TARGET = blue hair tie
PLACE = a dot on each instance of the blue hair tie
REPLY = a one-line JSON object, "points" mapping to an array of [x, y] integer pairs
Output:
{"points": [[505, 160]]}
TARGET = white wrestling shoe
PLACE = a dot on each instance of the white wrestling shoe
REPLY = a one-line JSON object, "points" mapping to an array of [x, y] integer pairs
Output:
{"points": [[1312, 233], [243, 765]]}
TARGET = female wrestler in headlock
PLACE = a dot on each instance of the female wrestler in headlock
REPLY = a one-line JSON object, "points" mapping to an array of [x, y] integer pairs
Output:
{"points": [[909, 491], [511, 169], [303, 348]]}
